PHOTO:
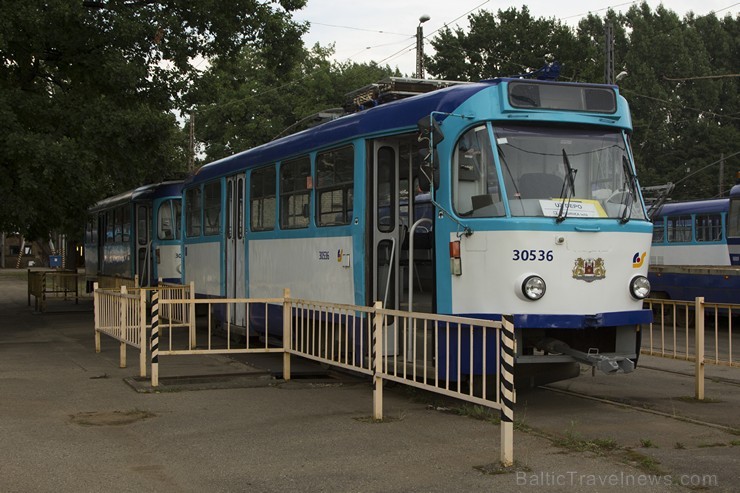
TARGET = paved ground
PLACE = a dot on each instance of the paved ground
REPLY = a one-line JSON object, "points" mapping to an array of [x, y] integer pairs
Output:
{"points": [[70, 422]]}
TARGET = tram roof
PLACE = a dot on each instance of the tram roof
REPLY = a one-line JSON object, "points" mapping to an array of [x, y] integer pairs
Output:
{"points": [[143, 193], [693, 207], [399, 114]]}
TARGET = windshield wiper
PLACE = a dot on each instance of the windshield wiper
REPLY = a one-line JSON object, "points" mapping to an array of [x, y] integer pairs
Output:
{"points": [[568, 184], [631, 188]]}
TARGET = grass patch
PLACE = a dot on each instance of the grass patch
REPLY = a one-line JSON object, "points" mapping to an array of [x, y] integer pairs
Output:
{"points": [[694, 400], [679, 446], [497, 468], [643, 462], [575, 443], [646, 443], [386, 419], [710, 445]]}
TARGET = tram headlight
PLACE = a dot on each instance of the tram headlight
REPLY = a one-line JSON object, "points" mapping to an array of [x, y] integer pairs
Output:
{"points": [[639, 287], [533, 287]]}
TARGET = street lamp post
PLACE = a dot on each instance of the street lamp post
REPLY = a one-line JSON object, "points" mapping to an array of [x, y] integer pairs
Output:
{"points": [[420, 47]]}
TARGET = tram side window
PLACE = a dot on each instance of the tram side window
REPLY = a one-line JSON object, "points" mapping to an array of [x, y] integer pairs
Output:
{"points": [[476, 190], [295, 193], [709, 227], [679, 229], [658, 231], [168, 220], [335, 186], [733, 219], [212, 208], [109, 227], [119, 224], [192, 212], [262, 199], [125, 223]]}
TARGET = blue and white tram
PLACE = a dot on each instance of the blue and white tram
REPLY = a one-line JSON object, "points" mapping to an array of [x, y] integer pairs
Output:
{"points": [[136, 233], [696, 250], [533, 209]]}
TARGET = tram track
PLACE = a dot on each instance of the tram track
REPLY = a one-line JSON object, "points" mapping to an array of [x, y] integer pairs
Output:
{"points": [[642, 409], [727, 381]]}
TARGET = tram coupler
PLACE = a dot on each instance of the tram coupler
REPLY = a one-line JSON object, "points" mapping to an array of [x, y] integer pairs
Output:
{"points": [[607, 364]]}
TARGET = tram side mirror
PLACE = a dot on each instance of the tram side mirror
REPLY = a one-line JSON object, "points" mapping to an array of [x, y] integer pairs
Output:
{"points": [[429, 130]]}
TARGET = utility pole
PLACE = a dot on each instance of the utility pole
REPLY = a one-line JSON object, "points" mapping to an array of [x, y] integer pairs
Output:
{"points": [[420, 47], [191, 146], [609, 55], [721, 173]]}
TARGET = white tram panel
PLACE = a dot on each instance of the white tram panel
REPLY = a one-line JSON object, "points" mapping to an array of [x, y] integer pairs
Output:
{"points": [[203, 266], [169, 262], [690, 254], [313, 268], [494, 266]]}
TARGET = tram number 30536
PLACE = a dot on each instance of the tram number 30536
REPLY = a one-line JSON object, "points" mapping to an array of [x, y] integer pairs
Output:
{"points": [[533, 255]]}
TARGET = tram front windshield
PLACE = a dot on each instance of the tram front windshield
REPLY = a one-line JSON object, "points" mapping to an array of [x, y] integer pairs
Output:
{"points": [[546, 172]]}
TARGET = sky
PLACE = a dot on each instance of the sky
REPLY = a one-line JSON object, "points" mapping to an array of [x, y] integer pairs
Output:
{"points": [[384, 31]]}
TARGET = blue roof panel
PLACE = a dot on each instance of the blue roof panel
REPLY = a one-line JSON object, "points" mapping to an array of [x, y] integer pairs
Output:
{"points": [[397, 115]]}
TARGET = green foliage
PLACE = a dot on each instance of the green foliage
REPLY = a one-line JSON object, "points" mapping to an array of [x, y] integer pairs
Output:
{"points": [[94, 95], [88, 89], [683, 120], [246, 101]]}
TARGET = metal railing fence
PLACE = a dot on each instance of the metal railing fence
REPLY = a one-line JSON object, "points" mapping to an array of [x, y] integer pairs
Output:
{"points": [[43, 285], [697, 331], [468, 359]]}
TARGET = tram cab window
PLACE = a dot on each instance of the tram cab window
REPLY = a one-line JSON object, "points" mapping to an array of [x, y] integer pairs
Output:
{"points": [[476, 190], [539, 164], [168, 220], [262, 199], [334, 186], [295, 193]]}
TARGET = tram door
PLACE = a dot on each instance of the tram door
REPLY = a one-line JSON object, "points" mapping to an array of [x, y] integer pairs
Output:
{"points": [[143, 244], [388, 233], [235, 244]]}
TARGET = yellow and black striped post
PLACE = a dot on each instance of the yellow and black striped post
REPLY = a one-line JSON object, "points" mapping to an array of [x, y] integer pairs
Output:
{"points": [[506, 354], [155, 338]]}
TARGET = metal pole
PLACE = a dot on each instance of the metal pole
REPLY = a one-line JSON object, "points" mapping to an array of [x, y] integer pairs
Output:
{"points": [[506, 355], [699, 347], [419, 52], [155, 339], [287, 333], [377, 353], [420, 47]]}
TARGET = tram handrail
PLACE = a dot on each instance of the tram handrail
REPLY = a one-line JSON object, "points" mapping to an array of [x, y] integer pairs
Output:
{"points": [[411, 259]]}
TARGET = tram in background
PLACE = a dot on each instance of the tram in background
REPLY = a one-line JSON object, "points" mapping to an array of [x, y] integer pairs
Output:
{"points": [[524, 201], [136, 233], [696, 250]]}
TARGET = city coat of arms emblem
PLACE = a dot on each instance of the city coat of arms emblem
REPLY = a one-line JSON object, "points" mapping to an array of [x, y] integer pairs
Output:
{"points": [[589, 269]]}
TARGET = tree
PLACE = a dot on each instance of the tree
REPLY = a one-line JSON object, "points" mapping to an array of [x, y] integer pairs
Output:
{"points": [[241, 102], [683, 119], [88, 89], [507, 43]]}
